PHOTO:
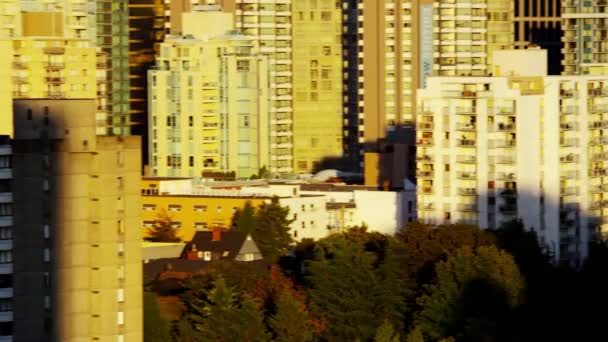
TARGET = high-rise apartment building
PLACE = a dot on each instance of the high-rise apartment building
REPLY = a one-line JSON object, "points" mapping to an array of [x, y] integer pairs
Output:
{"points": [[146, 32], [6, 240], [112, 36], [585, 26], [402, 42], [538, 22], [6, 89], [209, 101], [103, 22], [527, 146], [77, 260], [270, 24], [317, 83]]}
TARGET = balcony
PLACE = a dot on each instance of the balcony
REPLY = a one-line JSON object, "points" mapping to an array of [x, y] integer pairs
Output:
{"points": [[567, 93], [506, 176], [570, 158], [568, 142], [465, 143], [569, 191], [505, 143], [465, 126], [508, 160], [599, 124], [54, 79], [467, 207], [6, 173], [54, 50], [426, 142], [466, 175], [568, 110], [598, 172], [599, 108], [466, 159], [467, 191], [596, 205], [598, 188], [504, 111], [425, 174], [569, 175], [54, 65], [426, 206], [55, 94], [466, 110], [502, 127], [425, 126], [427, 190], [6, 197], [568, 126], [424, 158]]}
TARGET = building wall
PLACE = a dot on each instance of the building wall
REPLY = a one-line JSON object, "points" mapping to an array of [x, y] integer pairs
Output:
{"points": [[6, 88], [78, 265], [209, 112], [53, 68], [584, 38], [309, 215], [6, 239], [317, 80], [486, 158], [193, 213]]}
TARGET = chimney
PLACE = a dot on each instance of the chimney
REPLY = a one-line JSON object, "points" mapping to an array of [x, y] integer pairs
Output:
{"points": [[216, 234]]}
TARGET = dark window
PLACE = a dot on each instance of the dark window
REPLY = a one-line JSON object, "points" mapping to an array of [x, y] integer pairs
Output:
{"points": [[6, 328], [6, 280]]}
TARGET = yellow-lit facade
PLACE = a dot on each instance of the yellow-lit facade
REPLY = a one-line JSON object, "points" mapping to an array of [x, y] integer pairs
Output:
{"points": [[53, 68], [6, 89], [317, 83], [209, 103], [190, 214], [584, 40]]}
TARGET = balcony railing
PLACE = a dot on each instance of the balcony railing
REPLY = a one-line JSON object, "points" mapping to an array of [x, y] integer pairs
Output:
{"points": [[502, 127], [569, 191], [465, 143], [467, 191], [568, 142], [425, 126], [568, 126], [465, 126], [466, 175], [426, 142], [506, 176], [467, 207], [506, 160], [427, 190], [598, 188], [598, 172], [426, 206], [508, 193], [466, 159], [505, 143], [425, 174], [424, 158], [570, 158]]}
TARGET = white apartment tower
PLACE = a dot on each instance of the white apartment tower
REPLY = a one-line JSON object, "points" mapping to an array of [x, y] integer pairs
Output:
{"points": [[525, 146]]}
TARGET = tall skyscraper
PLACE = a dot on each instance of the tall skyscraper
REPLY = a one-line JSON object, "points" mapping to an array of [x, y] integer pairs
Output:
{"points": [[112, 36], [538, 22], [585, 38], [209, 100], [527, 146], [317, 83], [146, 32], [402, 42], [6, 240], [76, 261]]}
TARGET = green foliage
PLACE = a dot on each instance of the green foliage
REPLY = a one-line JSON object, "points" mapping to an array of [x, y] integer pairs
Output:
{"points": [[263, 173], [156, 328], [353, 292], [386, 333], [219, 317], [271, 233], [162, 230], [475, 291], [290, 323], [244, 219], [415, 335]]}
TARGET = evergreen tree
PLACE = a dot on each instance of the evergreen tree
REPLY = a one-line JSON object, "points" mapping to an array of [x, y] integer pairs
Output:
{"points": [[218, 317], [352, 291], [386, 333], [162, 230], [291, 321], [415, 335], [271, 233], [156, 328], [244, 219], [475, 292]]}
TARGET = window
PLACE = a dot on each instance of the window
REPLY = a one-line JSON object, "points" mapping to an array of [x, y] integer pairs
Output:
{"points": [[148, 224], [207, 255], [200, 208], [6, 328], [303, 224], [191, 161], [6, 257], [225, 254], [200, 225], [47, 231], [303, 207], [218, 209], [6, 233], [6, 304], [120, 295], [6, 209], [175, 207], [46, 255], [248, 257], [149, 207], [120, 319], [5, 162]]}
